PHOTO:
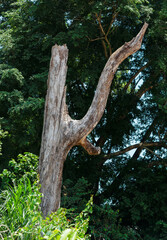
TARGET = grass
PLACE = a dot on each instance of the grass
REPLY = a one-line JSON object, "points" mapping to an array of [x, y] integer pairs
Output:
{"points": [[21, 218]]}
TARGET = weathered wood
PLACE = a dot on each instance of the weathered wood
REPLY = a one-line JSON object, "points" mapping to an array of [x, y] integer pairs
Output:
{"points": [[53, 148], [60, 132]]}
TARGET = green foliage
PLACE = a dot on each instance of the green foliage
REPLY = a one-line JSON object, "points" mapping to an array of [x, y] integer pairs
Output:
{"points": [[25, 113], [142, 199], [106, 224], [75, 194], [25, 166], [161, 229], [9, 100], [18, 203], [21, 217], [3, 134], [160, 96], [11, 79]]}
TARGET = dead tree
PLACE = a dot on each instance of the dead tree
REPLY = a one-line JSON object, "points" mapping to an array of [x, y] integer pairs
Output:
{"points": [[60, 131]]}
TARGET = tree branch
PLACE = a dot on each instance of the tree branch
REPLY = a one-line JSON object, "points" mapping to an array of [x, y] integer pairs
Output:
{"points": [[145, 137], [106, 34], [109, 45], [157, 163], [153, 153], [142, 145], [112, 20], [103, 34], [105, 49], [132, 163], [134, 76], [91, 150], [96, 110], [100, 25], [98, 17], [79, 129], [95, 39], [142, 91]]}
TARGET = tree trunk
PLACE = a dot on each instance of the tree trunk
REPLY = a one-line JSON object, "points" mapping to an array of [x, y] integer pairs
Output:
{"points": [[60, 132]]}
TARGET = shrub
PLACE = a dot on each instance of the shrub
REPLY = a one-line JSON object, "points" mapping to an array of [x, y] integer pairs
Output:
{"points": [[21, 218], [25, 166]]}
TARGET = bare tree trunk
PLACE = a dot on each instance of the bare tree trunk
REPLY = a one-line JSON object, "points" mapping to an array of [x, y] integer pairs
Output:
{"points": [[60, 132]]}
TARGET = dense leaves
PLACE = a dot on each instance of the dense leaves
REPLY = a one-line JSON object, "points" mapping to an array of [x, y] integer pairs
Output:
{"points": [[2, 135], [21, 217], [24, 167]]}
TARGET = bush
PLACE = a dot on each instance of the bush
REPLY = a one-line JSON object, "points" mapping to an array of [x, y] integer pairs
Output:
{"points": [[21, 218], [25, 166]]}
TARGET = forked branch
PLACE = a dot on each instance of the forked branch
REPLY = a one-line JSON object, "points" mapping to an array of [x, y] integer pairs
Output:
{"points": [[96, 110]]}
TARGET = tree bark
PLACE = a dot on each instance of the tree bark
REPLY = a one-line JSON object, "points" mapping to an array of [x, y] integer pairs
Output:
{"points": [[60, 132]]}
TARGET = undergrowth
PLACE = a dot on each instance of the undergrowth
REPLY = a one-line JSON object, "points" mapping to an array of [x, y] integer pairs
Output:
{"points": [[21, 217]]}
